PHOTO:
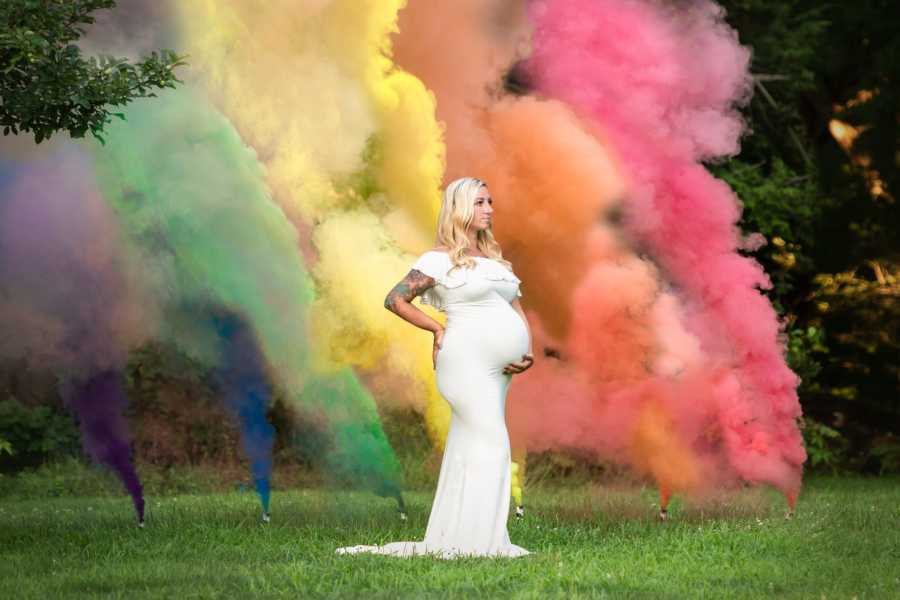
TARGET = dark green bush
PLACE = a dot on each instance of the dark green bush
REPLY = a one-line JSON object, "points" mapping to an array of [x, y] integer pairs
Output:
{"points": [[825, 446], [35, 434]]}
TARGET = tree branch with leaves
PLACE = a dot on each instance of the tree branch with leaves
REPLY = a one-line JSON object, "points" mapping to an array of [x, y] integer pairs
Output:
{"points": [[47, 86]]}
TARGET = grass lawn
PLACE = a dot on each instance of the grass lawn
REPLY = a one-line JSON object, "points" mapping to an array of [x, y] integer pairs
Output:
{"points": [[590, 541]]}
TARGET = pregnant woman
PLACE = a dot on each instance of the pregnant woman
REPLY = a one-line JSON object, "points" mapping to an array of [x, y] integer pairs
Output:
{"points": [[486, 341]]}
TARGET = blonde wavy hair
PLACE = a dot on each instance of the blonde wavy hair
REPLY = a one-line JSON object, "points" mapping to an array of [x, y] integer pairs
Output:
{"points": [[457, 210]]}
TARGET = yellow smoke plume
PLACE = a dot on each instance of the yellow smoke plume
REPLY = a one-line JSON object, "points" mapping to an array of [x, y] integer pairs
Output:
{"points": [[517, 470], [353, 155]]}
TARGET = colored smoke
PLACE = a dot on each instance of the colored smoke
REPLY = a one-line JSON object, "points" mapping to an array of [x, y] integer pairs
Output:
{"points": [[100, 402], [193, 200], [245, 389], [656, 339], [352, 154], [267, 206], [70, 305], [662, 83]]}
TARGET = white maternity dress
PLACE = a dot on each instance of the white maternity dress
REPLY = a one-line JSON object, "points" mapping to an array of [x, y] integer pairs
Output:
{"points": [[483, 334]]}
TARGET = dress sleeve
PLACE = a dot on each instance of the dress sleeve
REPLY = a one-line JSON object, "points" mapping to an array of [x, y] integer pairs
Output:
{"points": [[432, 264]]}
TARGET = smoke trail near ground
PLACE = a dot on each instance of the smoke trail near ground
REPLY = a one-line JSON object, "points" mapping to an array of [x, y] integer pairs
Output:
{"points": [[100, 402], [245, 389], [193, 201], [69, 303]]}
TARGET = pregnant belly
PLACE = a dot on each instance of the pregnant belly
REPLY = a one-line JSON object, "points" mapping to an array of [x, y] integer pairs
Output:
{"points": [[491, 336]]}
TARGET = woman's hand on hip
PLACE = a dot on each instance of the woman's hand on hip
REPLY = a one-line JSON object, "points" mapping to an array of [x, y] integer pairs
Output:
{"points": [[514, 368], [438, 339]]}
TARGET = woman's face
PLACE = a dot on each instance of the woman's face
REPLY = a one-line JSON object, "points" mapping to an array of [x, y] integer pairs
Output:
{"points": [[483, 210]]}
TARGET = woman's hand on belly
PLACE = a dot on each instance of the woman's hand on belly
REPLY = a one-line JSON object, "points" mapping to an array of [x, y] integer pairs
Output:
{"points": [[516, 367]]}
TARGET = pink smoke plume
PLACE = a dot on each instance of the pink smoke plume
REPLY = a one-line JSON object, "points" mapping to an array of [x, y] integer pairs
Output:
{"points": [[661, 352], [662, 84]]}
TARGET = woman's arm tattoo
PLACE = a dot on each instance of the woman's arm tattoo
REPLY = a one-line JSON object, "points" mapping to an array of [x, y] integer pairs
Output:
{"points": [[414, 284]]}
